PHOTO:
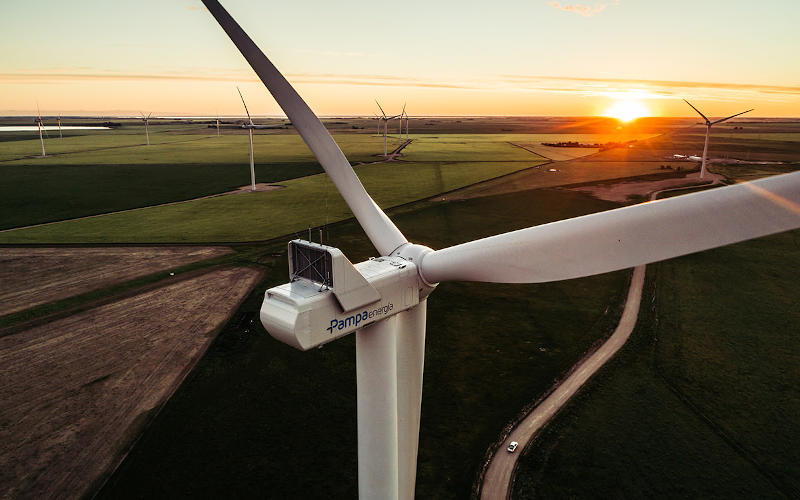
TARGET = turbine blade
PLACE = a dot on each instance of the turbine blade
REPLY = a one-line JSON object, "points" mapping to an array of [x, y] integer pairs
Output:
{"points": [[732, 116], [379, 228], [149, 115], [245, 106], [625, 237], [379, 106], [404, 109], [698, 111]]}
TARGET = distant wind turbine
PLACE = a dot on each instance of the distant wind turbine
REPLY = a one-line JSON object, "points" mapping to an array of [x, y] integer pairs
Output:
{"points": [[385, 127], [146, 120], [39, 124], [249, 128], [59, 128], [708, 132], [402, 113], [217, 124]]}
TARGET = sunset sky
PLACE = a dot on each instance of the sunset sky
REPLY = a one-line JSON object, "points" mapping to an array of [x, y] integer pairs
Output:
{"points": [[505, 57]]}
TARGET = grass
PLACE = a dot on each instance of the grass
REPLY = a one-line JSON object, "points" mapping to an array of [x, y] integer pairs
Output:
{"points": [[703, 400], [126, 149], [244, 420], [127, 175], [309, 201]]}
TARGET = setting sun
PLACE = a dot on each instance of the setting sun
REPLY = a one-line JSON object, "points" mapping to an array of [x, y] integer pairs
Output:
{"points": [[627, 110]]}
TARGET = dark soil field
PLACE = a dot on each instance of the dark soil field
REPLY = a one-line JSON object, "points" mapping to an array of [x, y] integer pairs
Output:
{"points": [[33, 276], [76, 392]]}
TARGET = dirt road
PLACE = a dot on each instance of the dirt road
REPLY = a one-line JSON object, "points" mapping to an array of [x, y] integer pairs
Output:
{"points": [[497, 480], [498, 475]]}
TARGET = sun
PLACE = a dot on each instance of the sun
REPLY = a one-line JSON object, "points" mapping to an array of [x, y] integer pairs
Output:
{"points": [[626, 110]]}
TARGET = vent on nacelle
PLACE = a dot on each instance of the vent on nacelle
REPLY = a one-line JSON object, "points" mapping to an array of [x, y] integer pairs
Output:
{"points": [[310, 261]]}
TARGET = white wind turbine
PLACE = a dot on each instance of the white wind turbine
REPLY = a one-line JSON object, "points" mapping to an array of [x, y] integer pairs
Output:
{"points": [[59, 128], [402, 113], [386, 126], [40, 126], [146, 120], [383, 300], [249, 126], [709, 123]]}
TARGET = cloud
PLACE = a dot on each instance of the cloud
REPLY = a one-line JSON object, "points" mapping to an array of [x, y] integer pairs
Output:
{"points": [[582, 10]]}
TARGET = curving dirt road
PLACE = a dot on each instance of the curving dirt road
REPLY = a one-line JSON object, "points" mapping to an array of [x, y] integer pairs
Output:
{"points": [[497, 481], [498, 476]]}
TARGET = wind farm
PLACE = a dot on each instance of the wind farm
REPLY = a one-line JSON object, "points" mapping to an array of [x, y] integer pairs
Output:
{"points": [[381, 316]]}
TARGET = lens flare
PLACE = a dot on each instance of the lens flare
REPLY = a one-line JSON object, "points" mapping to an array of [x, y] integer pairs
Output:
{"points": [[627, 109]]}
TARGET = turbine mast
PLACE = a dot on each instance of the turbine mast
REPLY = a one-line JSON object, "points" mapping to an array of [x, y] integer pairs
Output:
{"points": [[249, 128], [39, 125]]}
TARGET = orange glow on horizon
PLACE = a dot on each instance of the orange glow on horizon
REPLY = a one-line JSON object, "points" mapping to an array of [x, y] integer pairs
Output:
{"points": [[626, 110]]}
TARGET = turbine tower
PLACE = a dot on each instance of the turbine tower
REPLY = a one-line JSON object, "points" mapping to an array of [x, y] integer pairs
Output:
{"points": [[385, 127], [217, 125], [709, 123], [146, 120], [383, 300], [39, 125], [249, 128], [59, 128], [402, 113]]}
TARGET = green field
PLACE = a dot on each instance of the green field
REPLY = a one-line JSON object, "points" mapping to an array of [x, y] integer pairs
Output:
{"points": [[309, 201], [767, 136], [244, 422], [702, 401], [121, 176]]}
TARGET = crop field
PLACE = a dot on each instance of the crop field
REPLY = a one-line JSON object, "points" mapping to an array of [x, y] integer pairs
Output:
{"points": [[704, 398], [309, 201], [766, 136], [247, 400], [703, 401], [33, 276], [503, 147], [77, 391], [78, 183], [193, 149], [561, 174]]}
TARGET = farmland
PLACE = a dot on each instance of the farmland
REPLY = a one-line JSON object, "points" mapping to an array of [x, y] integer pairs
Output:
{"points": [[531, 335], [703, 399], [232, 427], [77, 391], [33, 276]]}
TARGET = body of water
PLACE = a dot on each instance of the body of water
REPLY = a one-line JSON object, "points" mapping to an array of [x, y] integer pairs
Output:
{"points": [[33, 128]]}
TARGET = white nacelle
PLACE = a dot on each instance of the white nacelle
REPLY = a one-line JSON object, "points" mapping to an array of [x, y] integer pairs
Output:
{"points": [[305, 314]]}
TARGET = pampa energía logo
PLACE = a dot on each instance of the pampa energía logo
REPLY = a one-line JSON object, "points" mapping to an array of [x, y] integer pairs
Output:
{"points": [[358, 318]]}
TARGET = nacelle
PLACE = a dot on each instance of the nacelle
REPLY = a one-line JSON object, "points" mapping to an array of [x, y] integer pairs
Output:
{"points": [[307, 313]]}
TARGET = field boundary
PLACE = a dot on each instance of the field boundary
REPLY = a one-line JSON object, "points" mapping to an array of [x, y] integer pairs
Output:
{"points": [[120, 293], [211, 336]]}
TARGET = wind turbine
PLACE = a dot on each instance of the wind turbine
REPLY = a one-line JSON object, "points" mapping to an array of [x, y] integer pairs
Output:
{"points": [[217, 125], [383, 300], [250, 128], [59, 128], [39, 125], [385, 127], [146, 120], [708, 132], [402, 113]]}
